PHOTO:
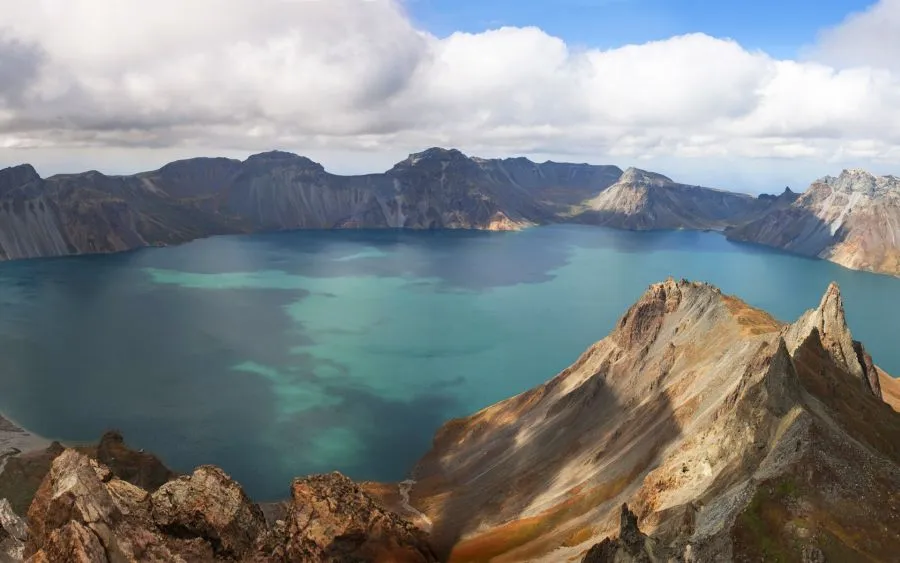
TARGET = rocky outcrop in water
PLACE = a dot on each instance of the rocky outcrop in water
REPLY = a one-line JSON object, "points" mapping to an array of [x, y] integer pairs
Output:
{"points": [[852, 219]]}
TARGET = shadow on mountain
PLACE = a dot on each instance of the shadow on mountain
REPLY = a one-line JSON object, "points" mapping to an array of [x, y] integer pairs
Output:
{"points": [[589, 446], [793, 229]]}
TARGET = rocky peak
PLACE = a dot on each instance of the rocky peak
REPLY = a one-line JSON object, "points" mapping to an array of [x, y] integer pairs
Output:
{"points": [[283, 158], [643, 178], [15, 176], [434, 157], [331, 519], [829, 324], [136, 467], [632, 546], [857, 180]]}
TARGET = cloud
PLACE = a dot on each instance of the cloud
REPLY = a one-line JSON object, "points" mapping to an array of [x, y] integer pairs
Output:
{"points": [[358, 75], [867, 38]]}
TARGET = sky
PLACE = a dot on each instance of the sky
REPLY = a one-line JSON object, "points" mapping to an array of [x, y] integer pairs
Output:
{"points": [[747, 96]]}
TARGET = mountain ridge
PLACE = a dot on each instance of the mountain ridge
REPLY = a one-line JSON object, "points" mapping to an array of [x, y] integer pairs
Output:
{"points": [[852, 219], [436, 188]]}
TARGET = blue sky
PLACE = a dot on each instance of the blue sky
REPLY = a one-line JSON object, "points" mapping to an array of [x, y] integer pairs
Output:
{"points": [[779, 27]]}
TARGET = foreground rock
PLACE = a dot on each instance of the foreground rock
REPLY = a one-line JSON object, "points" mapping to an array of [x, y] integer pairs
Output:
{"points": [[332, 520], [732, 437], [852, 219], [82, 512]]}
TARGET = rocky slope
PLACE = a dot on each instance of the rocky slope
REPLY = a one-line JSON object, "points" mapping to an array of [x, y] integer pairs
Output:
{"points": [[732, 436], [642, 200], [434, 189], [852, 219]]}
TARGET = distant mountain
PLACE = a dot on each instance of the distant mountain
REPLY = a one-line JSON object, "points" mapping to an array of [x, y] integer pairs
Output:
{"points": [[700, 429], [434, 189], [852, 219], [642, 200], [187, 199], [732, 437]]}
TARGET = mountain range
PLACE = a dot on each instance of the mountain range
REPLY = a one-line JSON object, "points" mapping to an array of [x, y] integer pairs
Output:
{"points": [[700, 429], [852, 219]]}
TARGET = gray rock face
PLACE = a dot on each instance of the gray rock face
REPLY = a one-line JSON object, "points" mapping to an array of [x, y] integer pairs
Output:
{"points": [[642, 200], [852, 219], [434, 189], [187, 199]]}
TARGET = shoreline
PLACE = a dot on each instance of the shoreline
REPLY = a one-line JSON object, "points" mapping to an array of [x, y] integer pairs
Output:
{"points": [[16, 440]]}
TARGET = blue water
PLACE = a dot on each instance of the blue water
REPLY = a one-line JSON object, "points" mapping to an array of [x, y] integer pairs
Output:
{"points": [[286, 354]]}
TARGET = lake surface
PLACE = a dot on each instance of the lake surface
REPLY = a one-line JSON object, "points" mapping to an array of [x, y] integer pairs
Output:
{"points": [[280, 355]]}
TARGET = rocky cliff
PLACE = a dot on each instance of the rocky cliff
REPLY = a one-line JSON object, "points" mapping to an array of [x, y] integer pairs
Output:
{"points": [[434, 189], [642, 200], [732, 437], [852, 219]]}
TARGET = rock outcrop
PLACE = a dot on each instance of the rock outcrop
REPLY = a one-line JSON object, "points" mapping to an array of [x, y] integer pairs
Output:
{"points": [[330, 519], [83, 512], [730, 435], [631, 546], [13, 533], [852, 219], [642, 200]]}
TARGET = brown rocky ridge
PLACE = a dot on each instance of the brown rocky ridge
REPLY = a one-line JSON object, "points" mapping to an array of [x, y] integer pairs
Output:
{"points": [[732, 436]]}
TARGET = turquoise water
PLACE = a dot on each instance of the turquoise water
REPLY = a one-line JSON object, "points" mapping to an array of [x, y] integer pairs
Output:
{"points": [[286, 354]]}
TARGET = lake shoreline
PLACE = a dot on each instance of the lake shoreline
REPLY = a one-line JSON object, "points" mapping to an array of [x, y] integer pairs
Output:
{"points": [[16, 440]]}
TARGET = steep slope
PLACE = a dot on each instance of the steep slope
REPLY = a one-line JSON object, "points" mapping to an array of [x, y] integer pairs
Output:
{"points": [[642, 200], [92, 212], [187, 199], [706, 416], [852, 219], [558, 185]]}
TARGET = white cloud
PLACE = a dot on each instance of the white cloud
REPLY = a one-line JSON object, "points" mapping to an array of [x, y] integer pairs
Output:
{"points": [[344, 75], [867, 38]]}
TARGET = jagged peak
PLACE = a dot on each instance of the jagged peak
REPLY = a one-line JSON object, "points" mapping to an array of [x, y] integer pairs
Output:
{"points": [[16, 176], [861, 181], [640, 325], [634, 175], [828, 323]]}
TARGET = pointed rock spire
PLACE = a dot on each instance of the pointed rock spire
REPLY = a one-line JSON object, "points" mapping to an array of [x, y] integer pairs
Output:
{"points": [[831, 324]]}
